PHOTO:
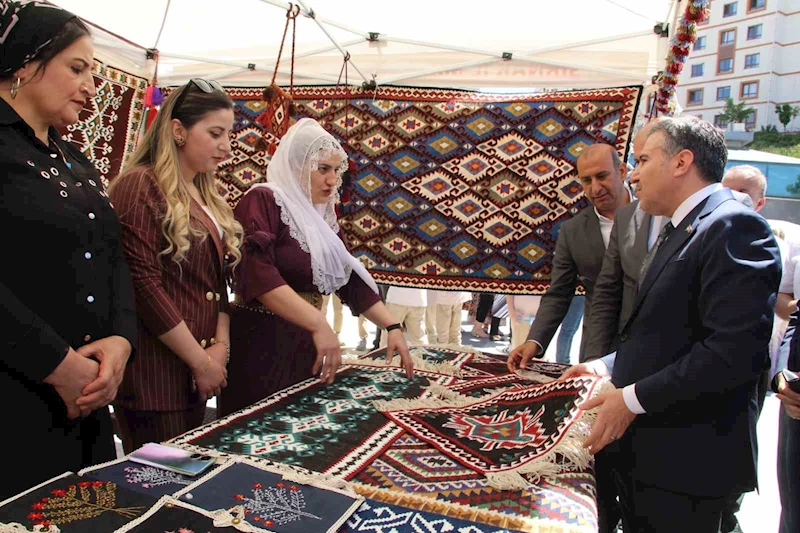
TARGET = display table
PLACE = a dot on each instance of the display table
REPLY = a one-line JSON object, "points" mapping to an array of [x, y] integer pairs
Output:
{"points": [[464, 446]]}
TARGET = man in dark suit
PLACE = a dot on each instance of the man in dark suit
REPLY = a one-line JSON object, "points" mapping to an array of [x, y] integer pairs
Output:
{"points": [[579, 251], [682, 421], [789, 436]]}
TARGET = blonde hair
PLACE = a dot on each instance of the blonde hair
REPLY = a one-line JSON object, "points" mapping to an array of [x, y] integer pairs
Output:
{"points": [[159, 151]]}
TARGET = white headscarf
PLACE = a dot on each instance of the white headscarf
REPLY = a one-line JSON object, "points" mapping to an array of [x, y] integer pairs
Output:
{"points": [[314, 227]]}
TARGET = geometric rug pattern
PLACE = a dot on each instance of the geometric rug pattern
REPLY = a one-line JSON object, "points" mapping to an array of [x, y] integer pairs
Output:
{"points": [[451, 189], [107, 128]]}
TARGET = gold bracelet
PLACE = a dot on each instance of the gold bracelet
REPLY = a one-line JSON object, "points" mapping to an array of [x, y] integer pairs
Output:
{"points": [[227, 347]]}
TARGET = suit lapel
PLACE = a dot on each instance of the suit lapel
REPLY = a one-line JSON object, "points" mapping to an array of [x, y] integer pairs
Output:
{"points": [[641, 227], [675, 242], [200, 215]]}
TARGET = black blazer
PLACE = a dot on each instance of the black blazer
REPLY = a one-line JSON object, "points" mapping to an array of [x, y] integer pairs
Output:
{"points": [[694, 345]]}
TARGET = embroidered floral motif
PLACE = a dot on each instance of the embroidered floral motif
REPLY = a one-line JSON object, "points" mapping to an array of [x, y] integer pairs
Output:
{"points": [[148, 477], [276, 505], [82, 501]]}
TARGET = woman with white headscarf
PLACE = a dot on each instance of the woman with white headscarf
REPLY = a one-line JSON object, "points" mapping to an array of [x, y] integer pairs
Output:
{"points": [[292, 256]]}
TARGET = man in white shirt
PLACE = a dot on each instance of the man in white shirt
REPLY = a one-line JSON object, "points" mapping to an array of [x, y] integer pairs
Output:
{"points": [[408, 307], [582, 241], [680, 427], [445, 309]]}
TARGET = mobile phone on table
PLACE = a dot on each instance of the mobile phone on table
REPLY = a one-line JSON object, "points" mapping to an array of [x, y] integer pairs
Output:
{"points": [[172, 459]]}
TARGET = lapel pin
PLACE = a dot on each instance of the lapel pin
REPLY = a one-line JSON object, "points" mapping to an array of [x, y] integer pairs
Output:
{"points": [[689, 229]]}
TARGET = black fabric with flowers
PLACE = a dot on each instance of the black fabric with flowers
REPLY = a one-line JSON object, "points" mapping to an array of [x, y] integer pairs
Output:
{"points": [[75, 504], [175, 519], [270, 502], [155, 482], [63, 283]]}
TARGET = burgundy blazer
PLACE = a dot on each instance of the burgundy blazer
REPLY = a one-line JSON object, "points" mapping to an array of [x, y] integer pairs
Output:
{"points": [[166, 293]]}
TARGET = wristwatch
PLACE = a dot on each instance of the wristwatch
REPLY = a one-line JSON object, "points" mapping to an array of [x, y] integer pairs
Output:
{"points": [[393, 327]]}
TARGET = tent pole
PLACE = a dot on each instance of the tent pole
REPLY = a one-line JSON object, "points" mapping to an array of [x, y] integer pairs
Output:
{"points": [[204, 60], [344, 53], [318, 19], [428, 72]]}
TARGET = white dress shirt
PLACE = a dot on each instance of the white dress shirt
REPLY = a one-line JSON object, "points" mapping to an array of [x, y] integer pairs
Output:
{"points": [[605, 365], [606, 224]]}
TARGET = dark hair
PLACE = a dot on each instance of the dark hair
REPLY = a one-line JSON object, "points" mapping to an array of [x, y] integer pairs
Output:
{"points": [[195, 104], [72, 31], [703, 139]]}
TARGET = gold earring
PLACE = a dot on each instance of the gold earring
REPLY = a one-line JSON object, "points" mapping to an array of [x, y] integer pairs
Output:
{"points": [[180, 141], [15, 87]]}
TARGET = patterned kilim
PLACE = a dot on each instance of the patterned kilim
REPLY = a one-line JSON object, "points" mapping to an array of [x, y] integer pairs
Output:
{"points": [[107, 128], [413, 466], [452, 189], [324, 428], [378, 517], [507, 431]]}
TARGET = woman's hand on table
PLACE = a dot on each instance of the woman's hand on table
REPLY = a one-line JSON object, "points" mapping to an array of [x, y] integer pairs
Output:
{"points": [[329, 353], [396, 343]]}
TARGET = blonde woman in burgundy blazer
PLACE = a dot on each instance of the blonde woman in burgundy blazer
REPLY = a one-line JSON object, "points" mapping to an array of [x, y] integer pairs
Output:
{"points": [[178, 235]]}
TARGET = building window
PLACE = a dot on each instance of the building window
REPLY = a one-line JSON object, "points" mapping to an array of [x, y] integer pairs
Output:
{"points": [[725, 65], [750, 121], [729, 10], [754, 32], [697, 70], [695, 96], [700, 43], [752, 60], [723, 93], [756, 5], [727, 37], [718, 122], [749, 89]]}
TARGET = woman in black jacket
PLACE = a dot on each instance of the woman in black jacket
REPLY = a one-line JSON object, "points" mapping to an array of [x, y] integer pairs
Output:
{"points": [[67, 308]]}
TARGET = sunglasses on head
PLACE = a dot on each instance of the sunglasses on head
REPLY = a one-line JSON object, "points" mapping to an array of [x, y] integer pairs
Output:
{"points": [[207, 86]]}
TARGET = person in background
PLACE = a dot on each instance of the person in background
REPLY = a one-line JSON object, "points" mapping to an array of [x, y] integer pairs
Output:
{"points": [[569, 327], [522, 310], [178, 234], [338, 314], [408, 305], [748, 180], [293, 254], [447, 306], [789, 433], [68, 315], [481, 313]]}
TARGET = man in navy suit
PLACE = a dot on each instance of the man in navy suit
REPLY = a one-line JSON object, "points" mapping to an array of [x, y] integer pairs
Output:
{"points": [[681, 426], [789, 435]]}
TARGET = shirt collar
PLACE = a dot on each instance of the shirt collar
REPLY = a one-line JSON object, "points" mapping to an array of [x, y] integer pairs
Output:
{"points": [[7, 114], [606, 219], [693, 201]]}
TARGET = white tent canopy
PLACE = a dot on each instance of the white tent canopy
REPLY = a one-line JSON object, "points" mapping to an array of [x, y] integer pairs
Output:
{"points": [[562, 44]]}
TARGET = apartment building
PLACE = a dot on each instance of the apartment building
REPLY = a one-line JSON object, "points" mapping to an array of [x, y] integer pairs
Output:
{"points": [[748, 50]]}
